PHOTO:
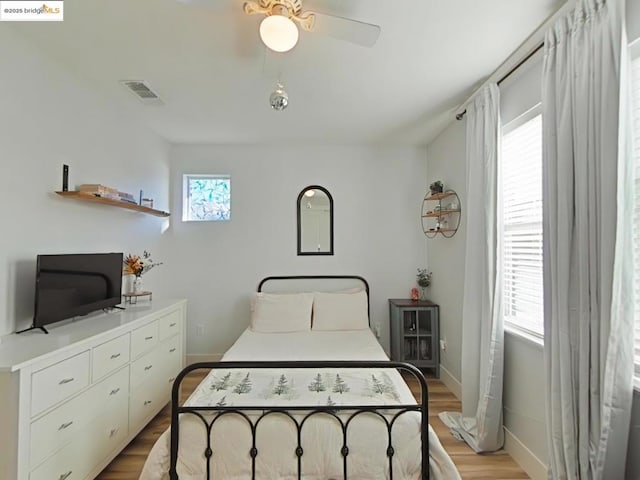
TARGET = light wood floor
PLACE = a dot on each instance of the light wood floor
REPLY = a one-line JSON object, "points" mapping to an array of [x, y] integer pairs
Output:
{"points": [[495, 466]]}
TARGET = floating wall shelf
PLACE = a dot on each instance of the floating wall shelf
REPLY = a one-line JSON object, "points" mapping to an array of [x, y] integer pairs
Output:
{"points": [[446, 211], [89, 197]]}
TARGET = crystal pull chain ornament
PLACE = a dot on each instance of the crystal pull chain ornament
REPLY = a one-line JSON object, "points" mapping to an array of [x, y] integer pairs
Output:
{"points": [[279, 100]]}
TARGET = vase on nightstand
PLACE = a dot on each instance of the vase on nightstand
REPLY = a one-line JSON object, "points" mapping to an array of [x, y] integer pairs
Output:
{"points": [[137, 284]]}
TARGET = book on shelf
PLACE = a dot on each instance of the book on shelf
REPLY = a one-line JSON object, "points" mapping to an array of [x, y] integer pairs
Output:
{"points": [[104, 191], [98, 189]]}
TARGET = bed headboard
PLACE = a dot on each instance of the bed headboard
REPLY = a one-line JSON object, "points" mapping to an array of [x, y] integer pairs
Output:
{"points": [[314, 283]]}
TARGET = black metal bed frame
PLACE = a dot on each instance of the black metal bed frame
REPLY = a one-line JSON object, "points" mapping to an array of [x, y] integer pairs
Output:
{"points": [[216, 412], [343, 414]]}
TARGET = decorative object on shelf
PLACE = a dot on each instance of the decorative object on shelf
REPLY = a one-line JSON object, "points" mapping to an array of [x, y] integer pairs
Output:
{"points": [[147, 202], [65, 178], [424, 280], [415, 295], [436, 187], [442, 218], [138, 265]]}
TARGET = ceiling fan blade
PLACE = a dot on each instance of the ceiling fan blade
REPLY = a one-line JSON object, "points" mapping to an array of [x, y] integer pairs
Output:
{"points": [[354, 31]]}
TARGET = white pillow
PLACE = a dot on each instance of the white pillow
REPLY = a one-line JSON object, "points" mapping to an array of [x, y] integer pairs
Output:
{"points": [[340, 311], [281, 312]]}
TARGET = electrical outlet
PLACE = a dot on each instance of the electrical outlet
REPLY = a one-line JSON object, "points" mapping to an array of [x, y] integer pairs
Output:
{"points": [[443, 345], [200, 329]]}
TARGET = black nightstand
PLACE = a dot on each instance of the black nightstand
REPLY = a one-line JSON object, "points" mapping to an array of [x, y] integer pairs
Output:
{"points": [[415, 333]]}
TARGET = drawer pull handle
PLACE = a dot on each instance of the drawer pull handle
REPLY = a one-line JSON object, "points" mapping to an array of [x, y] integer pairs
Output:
{"points": [[172, 324], [114, 356], [147, 402], [113, 432], [64, 476], [114, 391], [66, 380], [149, 338], [148, 367], [172, 350], [65, 425]]}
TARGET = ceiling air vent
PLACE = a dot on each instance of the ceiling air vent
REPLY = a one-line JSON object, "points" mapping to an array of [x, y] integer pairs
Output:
{"points": [[142, 90]]}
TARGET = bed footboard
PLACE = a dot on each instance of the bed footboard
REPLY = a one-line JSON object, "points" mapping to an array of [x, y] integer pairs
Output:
{"points": [[299, 414]]}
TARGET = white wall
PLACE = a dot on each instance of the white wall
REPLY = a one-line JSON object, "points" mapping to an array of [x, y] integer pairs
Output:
{"points": [[523, 397], [50, 118], [377, 195]]}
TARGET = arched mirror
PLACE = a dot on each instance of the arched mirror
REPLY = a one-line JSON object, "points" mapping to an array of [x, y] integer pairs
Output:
{"points": [[315, 221]]}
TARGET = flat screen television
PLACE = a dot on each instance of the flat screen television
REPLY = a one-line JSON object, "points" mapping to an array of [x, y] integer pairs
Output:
{"points": [[71, 285]]}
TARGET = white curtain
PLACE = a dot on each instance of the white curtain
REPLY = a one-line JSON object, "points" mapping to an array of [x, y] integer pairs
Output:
{"points": [[588, 252], [480, 423]]}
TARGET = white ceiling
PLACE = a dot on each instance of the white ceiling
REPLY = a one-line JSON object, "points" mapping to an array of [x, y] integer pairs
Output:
{"points": [[209, 66]]}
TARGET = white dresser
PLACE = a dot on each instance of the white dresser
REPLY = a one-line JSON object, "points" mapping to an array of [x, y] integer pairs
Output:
{"points": [[73, 399]]}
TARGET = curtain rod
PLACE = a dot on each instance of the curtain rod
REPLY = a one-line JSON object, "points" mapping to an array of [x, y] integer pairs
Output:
{"points": [[460, 116]]}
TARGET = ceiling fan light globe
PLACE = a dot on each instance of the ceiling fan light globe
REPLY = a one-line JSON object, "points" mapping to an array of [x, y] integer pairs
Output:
{"points": [[279, 33]]}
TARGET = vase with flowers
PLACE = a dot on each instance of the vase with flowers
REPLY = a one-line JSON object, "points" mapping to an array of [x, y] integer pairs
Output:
{"points": [[138, 265], [423, 278]]}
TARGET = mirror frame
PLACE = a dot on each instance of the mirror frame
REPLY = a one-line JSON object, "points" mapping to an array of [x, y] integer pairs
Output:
{"points": [[326, 192]]}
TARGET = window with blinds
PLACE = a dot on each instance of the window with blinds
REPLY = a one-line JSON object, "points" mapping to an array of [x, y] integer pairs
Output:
{"points": [[636, 212], [522, 221]]}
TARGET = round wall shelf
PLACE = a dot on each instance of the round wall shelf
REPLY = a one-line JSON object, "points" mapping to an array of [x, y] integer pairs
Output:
{"points": [[440, 214]]}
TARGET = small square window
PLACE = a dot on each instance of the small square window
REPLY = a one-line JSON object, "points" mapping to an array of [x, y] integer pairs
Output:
{"points": [[206, 198]]}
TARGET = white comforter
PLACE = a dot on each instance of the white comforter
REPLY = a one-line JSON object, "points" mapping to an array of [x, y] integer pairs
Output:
{"points": [[322, 436]]}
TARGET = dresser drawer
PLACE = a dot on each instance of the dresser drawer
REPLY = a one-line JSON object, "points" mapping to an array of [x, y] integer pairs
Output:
{"points": [[110, 391], [108, 431], [145, 400], [170, 325], [70, 463], [109, 356], [143, 339], [59, 427], [58, 382], [146, 368], [171, 356]]}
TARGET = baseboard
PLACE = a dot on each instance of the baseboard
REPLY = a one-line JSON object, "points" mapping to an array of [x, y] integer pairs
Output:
{"points": [[451, 382], [211, 357], [524, 457]]}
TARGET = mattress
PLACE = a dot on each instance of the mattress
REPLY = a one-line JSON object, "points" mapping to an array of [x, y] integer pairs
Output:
{"points": [[309, 345], [321, 437]]}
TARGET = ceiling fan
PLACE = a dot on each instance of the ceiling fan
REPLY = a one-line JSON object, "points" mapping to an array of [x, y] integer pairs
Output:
{"points": [[279, 29]]}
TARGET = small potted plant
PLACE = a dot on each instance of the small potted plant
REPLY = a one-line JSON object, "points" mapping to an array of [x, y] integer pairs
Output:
{"points": [[424, 280], [436, 187]]}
